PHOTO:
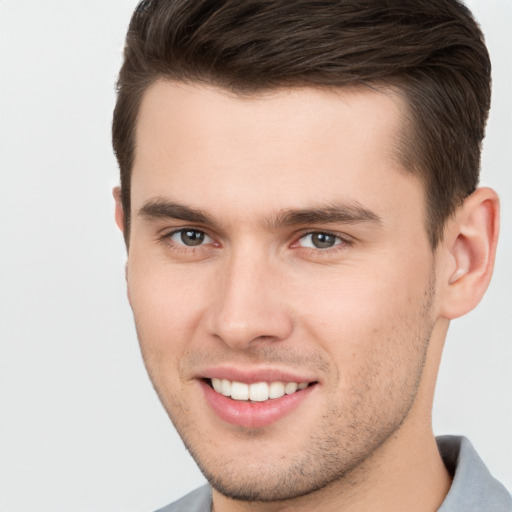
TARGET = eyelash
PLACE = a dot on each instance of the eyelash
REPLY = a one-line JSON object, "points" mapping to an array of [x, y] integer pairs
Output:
{"points": [[166, 239], [339, 239], [342, 242]]}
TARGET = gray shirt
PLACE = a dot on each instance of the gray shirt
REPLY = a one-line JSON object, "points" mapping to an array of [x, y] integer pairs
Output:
{"points": [[473, 488]]}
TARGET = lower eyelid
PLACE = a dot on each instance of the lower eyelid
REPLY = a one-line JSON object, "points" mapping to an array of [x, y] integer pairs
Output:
{"points": [[169, 237], [338, 240], [178, 232]]}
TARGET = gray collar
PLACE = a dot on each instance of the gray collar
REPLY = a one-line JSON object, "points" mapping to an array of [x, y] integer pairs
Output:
{"points": [[473, 488]]}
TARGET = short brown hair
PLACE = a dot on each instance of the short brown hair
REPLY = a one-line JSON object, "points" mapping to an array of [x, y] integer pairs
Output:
{"points": [[431, 51]]}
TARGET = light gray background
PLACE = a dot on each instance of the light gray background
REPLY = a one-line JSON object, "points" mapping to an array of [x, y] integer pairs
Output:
{"points": [[80, 427]]}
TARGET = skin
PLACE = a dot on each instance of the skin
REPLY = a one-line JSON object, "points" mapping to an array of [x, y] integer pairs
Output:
{"points": [[364, 319]]}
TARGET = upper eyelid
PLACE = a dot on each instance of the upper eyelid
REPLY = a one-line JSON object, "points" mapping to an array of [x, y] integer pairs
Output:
{"points": [[325, 231], [344, 242], [189, 228], [295, 236], [342, 236], [316, 232], [166, 233]]}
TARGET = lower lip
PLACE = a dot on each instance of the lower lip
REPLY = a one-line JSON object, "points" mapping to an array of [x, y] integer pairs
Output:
{"points": [[253, 414]]}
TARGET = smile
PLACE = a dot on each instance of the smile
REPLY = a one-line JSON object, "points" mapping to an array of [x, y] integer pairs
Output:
{"points": [[257, 391], [259, 401]]}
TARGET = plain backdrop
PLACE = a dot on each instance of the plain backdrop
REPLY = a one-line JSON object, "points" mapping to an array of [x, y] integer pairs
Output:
{"points": [[80, 426]]}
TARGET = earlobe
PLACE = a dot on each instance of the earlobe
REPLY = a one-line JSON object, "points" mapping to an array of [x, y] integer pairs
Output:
{"points": [[119, 213], [470, 247]]}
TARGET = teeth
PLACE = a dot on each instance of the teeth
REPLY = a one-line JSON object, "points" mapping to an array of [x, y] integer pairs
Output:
{"points": [[257, 392], [290, 388], [276, 390], [239, 391], [225, 387], [217, 385]]}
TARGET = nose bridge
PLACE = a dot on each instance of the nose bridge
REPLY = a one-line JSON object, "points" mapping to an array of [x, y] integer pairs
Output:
{"points": [[248, 306]]}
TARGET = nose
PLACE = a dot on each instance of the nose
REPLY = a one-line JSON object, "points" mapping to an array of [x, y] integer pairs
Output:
{"points": [[249, 305]]}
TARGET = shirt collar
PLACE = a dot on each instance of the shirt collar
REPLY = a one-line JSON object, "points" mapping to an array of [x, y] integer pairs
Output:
{"points": [[473, 488]]}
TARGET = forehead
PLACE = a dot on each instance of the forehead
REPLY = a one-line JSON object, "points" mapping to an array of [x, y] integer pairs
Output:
{"points": [[262, 153]]}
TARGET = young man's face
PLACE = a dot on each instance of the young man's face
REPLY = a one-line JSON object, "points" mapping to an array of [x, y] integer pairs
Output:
{"points": [[276, 241]]}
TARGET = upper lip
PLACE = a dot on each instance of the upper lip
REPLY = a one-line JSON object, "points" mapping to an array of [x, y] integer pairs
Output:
{"points": [[252, 375]]}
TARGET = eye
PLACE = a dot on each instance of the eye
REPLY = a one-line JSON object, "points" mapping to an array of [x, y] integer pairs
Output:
{"points": [[190, 237], [319, 240]]}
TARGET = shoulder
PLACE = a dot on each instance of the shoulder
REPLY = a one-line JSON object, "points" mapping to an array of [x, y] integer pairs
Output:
{"points": [[199, 500]]}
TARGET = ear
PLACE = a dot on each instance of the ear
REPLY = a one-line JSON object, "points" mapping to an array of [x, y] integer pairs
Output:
{"points": [[469, 248], [119, 215]]}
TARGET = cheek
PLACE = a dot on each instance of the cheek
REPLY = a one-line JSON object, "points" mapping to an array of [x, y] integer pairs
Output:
{"points": [[166, 309], [370, 325], [167, 305]]}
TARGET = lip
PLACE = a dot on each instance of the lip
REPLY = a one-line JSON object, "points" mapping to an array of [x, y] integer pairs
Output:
{"points": [[254, 414], [250, 376]]}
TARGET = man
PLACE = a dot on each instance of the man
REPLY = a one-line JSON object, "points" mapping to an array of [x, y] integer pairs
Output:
{"points": [[299, 201]]}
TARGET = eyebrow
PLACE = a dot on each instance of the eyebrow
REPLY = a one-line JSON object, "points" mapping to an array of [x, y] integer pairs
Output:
{"points": [[160, 208], [350, 213]]}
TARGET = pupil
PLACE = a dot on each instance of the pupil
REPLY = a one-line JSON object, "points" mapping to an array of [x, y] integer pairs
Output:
{"points": [[323, 240], [191, 237]]}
